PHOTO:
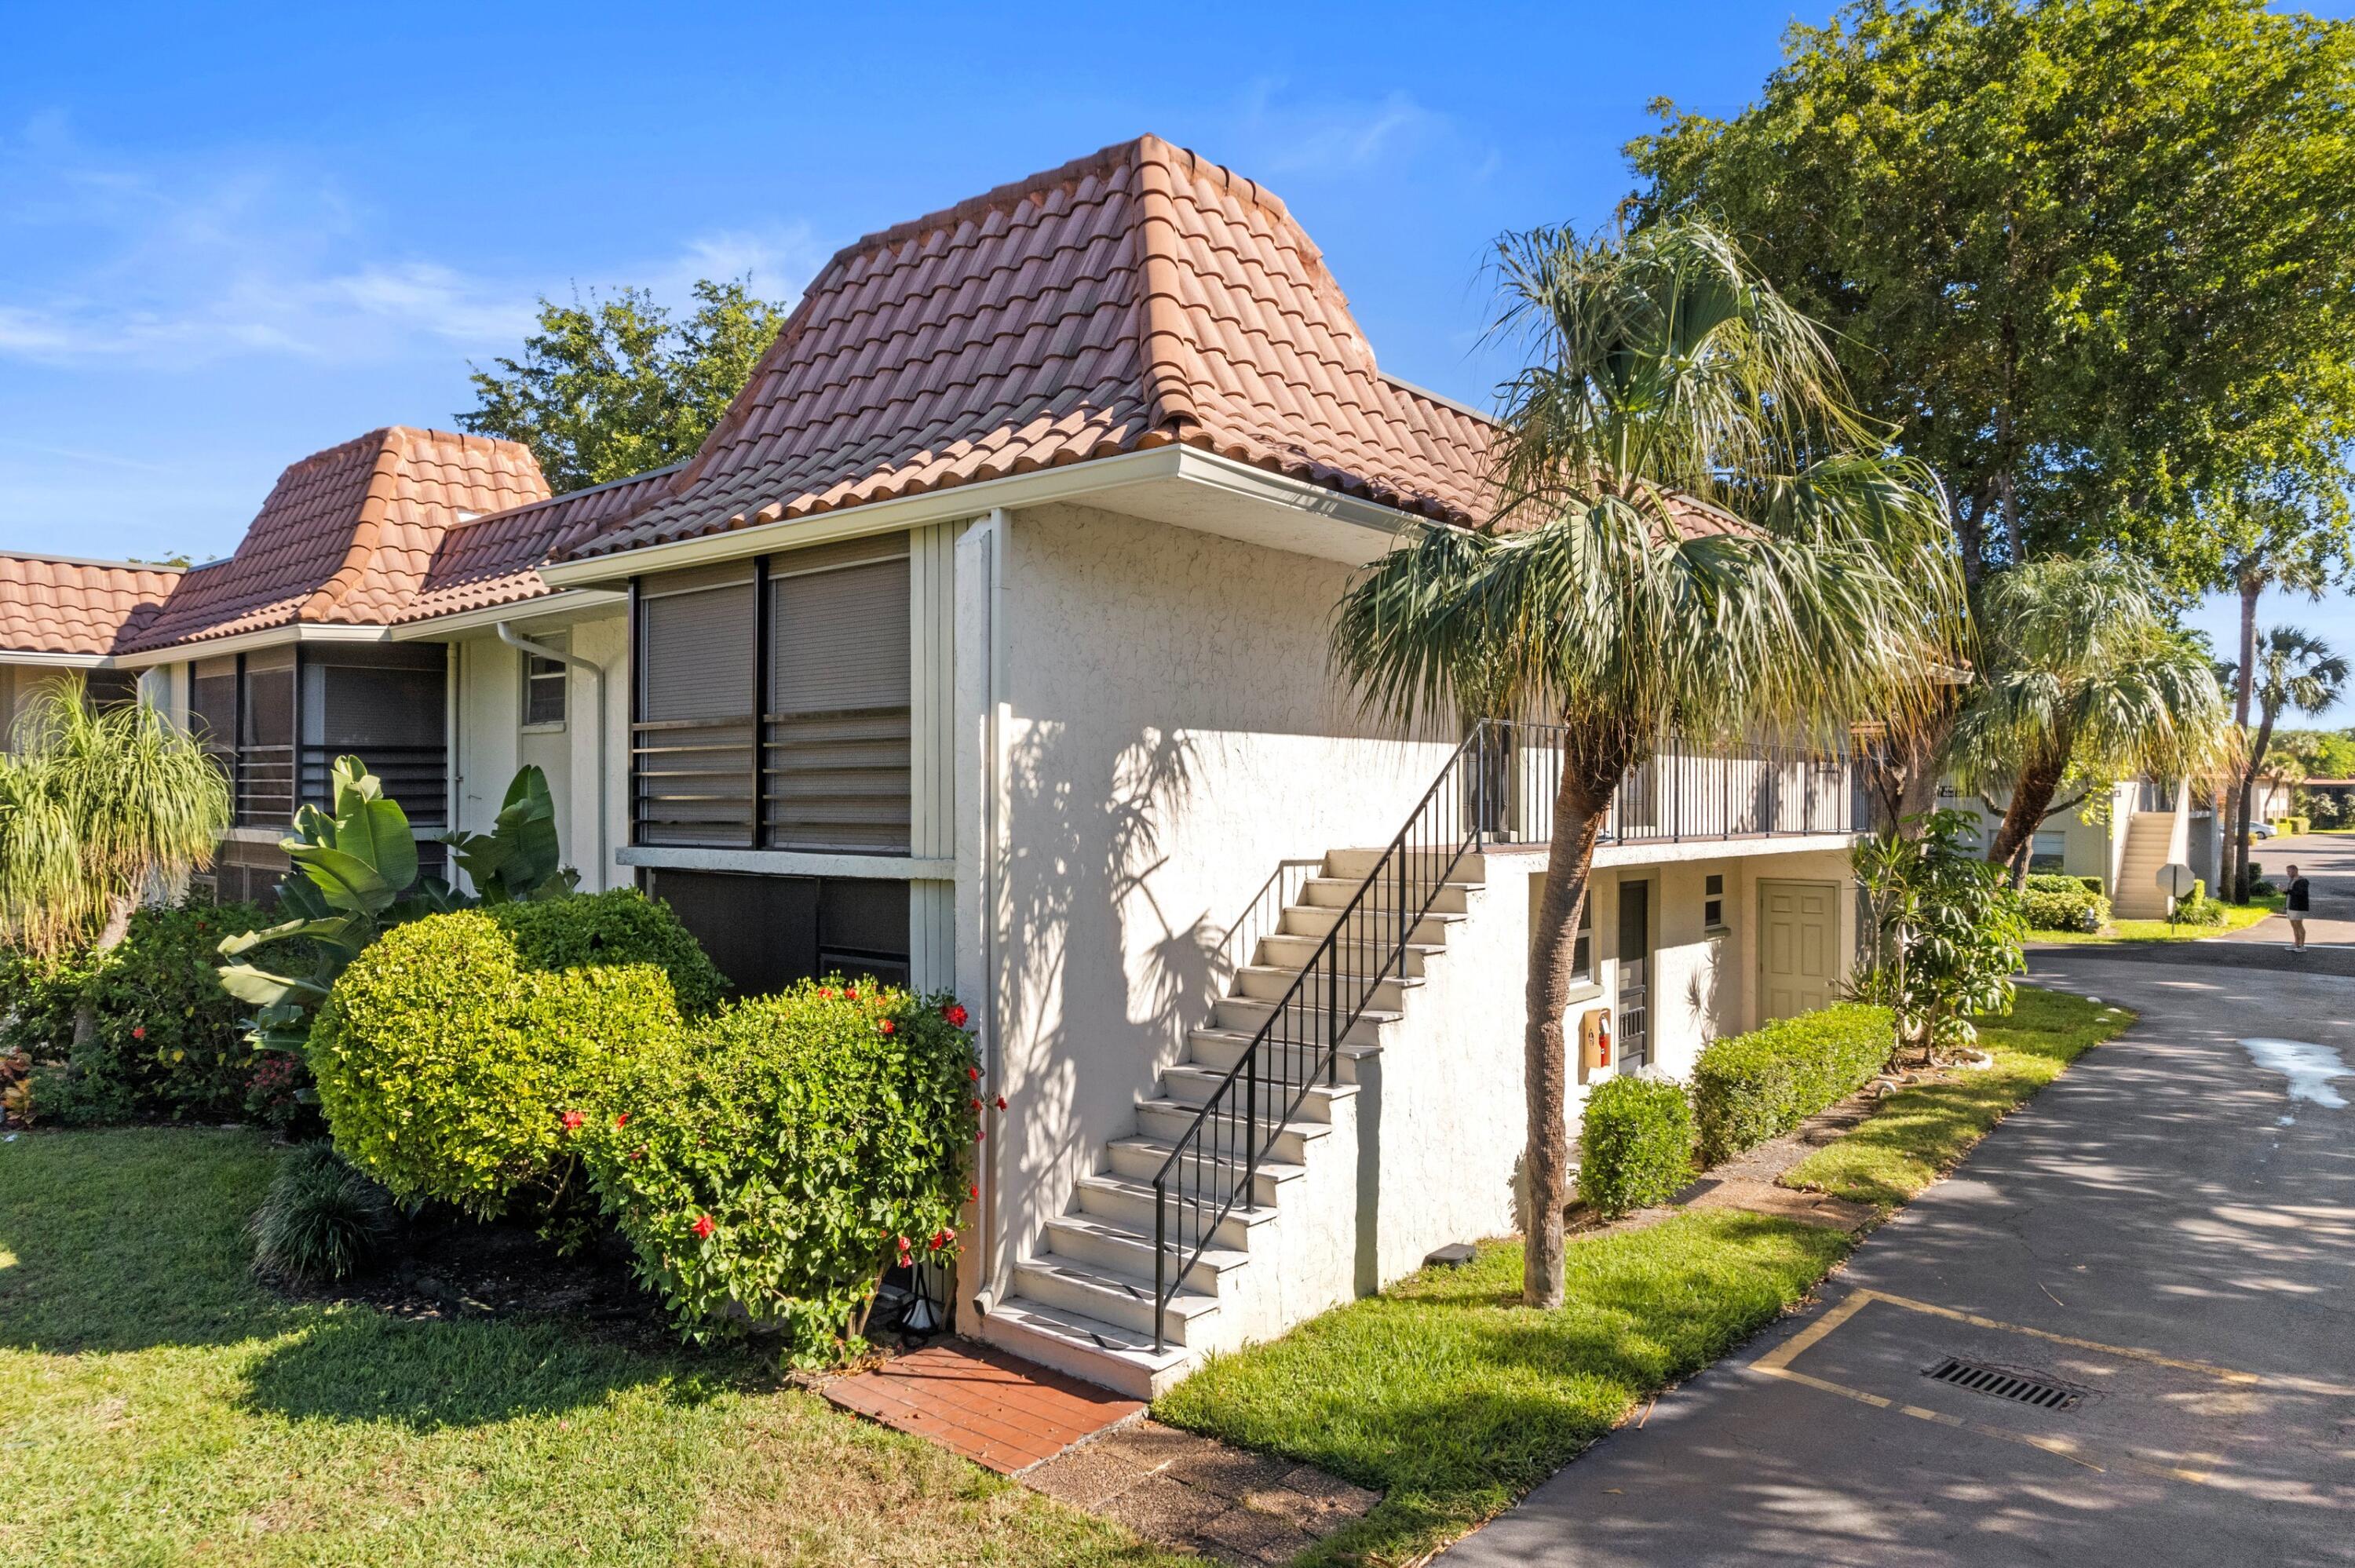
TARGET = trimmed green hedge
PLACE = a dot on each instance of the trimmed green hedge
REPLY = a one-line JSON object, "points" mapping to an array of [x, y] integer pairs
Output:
{"points": [[2054, 882], [622, 926], [1749, 1087], [2291, 827], [1636, 1144], [2076, 910], [450, 1066]]}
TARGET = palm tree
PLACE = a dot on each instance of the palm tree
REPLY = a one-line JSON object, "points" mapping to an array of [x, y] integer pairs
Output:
{"points": [[1694, 535], [2081, 677], [2294, 668], [97, 807]]}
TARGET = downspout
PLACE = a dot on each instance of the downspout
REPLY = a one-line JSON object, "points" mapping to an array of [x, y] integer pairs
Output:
{"points": [[517, 641], [994, 894]]}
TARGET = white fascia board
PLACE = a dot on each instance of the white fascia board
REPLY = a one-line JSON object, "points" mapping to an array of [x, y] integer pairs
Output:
{"points": [[247, 641], [548, 607], [1670, 853], [1092, 480], [56, 661], [789, 863]]}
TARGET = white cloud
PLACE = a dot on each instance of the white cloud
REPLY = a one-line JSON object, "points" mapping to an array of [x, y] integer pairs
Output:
{"points": [[256, 256], [1337, 136]]}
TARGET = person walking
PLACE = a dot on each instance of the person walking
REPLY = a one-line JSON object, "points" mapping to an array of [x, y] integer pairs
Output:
{"points": [[2295, 905]]}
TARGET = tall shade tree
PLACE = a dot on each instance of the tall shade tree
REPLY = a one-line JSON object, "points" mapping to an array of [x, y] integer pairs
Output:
{"points": [[2095, 255], [2081, 675], [615, 386], [2297, 670], [1695, 535], [98, 806]]}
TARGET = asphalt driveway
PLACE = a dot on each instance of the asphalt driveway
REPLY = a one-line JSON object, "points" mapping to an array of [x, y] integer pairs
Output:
{"points": [[2166, 1236]]}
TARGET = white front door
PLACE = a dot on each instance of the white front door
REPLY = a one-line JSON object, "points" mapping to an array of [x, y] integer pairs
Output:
{"points": [[1798, 947]]}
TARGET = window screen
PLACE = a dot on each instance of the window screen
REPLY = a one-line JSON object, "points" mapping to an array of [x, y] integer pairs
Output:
{"points": [[1712, 902], [766, 932], [692, 751], [544, 683], [265, 742], [212, 703], [837, 726]]}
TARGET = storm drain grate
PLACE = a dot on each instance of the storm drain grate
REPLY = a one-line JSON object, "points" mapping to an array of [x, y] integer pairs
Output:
{"points": [[2000, 1384]]}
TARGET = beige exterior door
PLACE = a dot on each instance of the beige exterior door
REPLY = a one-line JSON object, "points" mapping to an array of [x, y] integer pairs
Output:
{"points": [[1798, 947]]}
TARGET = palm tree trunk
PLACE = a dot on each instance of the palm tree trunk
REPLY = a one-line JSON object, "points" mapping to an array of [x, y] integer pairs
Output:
{"points": [[1902, 772], [1580, 802], [117, 926], [2031, 794]]}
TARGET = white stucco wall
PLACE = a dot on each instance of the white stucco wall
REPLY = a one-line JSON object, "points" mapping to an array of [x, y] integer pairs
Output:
{"points": [[1170, 734]]}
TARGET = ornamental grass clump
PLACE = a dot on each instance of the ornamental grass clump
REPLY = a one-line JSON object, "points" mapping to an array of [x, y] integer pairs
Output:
{"points": [[323, 1220], [777, 1160]]}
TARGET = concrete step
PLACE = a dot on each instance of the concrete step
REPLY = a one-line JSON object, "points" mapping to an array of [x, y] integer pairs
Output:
{"points": [[1249, 1014], [1127, 1202], [1140, 1157], [1124, 1300], [1102, 1353], [1262, 983], [1353, 864], [1219, 1049], [1171, 1119], [1286, 952], [1193, 1084], [1100, 1243], [1314, 921], [1336, 892]]}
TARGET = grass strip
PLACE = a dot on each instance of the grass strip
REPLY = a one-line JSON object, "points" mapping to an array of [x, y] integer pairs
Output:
{"points": [[1917, 1135], [159, 1407], [1453, 1399]]}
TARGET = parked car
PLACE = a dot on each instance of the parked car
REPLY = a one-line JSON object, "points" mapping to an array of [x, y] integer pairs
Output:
{"points": [[2261, 830]]}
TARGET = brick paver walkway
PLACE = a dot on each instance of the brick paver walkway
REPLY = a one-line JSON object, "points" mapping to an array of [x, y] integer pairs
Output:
{"points": [[1001, 1413]]}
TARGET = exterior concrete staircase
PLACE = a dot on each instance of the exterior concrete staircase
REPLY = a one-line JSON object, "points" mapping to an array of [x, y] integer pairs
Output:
{"points": [[2149, 834], [1083, 1298]]}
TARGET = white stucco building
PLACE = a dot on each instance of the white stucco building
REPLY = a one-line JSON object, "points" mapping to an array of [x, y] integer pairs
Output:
{"points": [[982, 647]]}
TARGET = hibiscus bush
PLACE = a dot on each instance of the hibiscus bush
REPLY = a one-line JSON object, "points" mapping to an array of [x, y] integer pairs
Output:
{"points": [[447, 1057], [770, 1164]]}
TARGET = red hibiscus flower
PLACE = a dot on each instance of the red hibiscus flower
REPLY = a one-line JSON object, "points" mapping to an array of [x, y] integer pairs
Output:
{"points": [[887, 1026], [955, 1014], [572, 1120], [850, 993], [977, 1105], [703, 1227], [1001, 1102], [623, 1119], [974, 1193], [974, 1072], [942, 1237], [139, 1032], [826, 991]]}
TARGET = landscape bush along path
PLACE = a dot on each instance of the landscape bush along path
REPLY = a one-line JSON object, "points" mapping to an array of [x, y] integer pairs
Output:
{"points": [[1452, 1399], [159, 1404]]}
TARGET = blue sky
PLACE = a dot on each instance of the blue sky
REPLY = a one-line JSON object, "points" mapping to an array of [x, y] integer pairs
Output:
{"points": [[230, 238]]}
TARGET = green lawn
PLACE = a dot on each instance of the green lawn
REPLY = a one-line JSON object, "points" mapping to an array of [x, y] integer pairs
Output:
{"points": [[1917, 1135], [2237, 918], [1453, 1399], [157, 1407]]}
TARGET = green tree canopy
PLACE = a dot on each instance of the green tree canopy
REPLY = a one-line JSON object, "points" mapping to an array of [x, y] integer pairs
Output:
{"points": [[614, 386], [2093, 256]]}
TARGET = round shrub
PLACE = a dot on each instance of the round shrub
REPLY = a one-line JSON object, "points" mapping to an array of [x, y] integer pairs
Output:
{"points": [[791, 1148], [620, 927], [1634, 1145], [322, 1220], [449, 1069]]}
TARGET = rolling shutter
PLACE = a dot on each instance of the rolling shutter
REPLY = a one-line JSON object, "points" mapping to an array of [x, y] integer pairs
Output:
{"points": [[691, 755]]}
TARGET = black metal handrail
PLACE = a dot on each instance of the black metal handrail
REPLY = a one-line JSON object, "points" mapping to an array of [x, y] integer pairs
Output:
{"points": [[1497, 787], [1216, 1160]]}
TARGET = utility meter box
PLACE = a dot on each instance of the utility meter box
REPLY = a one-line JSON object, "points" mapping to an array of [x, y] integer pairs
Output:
{"points": [[1594, 1041]]}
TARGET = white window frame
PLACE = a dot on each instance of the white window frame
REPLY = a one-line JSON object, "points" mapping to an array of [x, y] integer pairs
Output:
{"points": [[525, 677]]}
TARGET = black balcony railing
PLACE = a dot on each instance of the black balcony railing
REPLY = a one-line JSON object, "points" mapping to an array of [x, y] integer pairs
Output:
{"points": [[1497, 788]]}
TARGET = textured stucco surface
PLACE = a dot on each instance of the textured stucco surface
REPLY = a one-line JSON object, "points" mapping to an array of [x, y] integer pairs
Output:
{"points": [[491, 743], [1172, 734]]}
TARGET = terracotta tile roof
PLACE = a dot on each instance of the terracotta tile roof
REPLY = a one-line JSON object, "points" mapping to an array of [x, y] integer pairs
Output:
{"points": [[56, 604], [347, 535], [1132, 299], [494, 560]]}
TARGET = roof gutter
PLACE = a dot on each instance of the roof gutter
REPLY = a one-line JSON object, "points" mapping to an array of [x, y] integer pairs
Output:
{"points": [[596, 672]]}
